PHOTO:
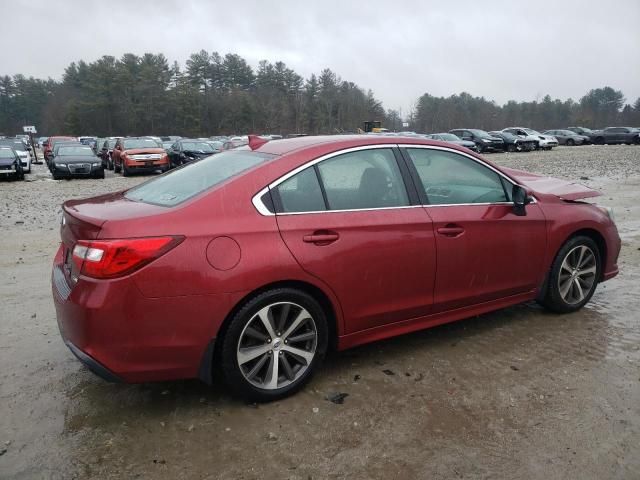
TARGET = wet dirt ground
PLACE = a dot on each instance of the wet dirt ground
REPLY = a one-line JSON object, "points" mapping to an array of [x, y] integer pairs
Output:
{"points": [[518, 394]]}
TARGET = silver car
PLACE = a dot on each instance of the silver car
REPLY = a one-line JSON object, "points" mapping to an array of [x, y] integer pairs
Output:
{"points": [[568, 138]]}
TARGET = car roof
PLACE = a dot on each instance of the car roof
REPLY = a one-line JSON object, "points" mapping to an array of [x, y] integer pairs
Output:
{"points": [[339, 142]]}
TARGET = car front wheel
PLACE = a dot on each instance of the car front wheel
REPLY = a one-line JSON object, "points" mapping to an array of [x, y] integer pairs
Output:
{"points": [[273, 344], [573, 277]]}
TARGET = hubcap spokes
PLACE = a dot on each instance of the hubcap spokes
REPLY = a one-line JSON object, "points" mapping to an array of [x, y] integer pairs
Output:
{"points": [[277, 345], [577, 274]]}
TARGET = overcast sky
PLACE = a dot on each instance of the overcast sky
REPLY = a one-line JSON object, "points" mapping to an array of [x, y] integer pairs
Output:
{"points": [[500, 50]]}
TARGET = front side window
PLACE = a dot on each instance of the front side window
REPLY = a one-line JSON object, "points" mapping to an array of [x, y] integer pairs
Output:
{"points": [[449, 178], [363, 179]]}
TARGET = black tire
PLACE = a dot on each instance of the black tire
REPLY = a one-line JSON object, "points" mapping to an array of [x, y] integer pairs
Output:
{"points": [[99, 175], [636, 140], [570, 142], [551, 296], [479, 148], [231, 370], [125, 171], [116, 168], [56, 177], [599, 141], [511, 147]]}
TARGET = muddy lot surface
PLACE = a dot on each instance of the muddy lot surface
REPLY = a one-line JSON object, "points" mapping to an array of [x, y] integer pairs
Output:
{"points": [[519, 393]]}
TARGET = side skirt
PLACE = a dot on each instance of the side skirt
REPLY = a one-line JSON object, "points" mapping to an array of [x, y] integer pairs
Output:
{"points": [[428, 321]]}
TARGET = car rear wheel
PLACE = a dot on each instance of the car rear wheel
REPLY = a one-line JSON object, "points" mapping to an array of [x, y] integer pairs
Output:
{"points": [[573, 277], [511, 147], [273, 344], [570, 142], [599, 141]]}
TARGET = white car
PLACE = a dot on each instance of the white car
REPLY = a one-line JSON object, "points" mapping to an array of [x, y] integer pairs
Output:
{"points": [[544, 142], [21, 149]]}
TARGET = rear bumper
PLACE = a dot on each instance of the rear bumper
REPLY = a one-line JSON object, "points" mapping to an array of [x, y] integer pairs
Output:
{"points": [[93, 365], [121, 335]]}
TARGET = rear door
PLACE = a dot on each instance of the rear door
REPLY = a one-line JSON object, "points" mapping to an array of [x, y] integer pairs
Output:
{"points": [[484, 250], [353, 220]]}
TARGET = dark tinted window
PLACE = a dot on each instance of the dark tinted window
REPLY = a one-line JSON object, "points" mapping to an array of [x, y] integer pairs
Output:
{"points": [[450, 178], [301, 193], [363, 179], [183, 183]]}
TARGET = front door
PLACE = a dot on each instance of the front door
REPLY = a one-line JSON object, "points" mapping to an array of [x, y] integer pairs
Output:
{"points": [[349, 221], [484, 250]]}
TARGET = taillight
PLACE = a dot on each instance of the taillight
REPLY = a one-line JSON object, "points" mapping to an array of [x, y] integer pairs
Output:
{"points": [[116, 258]]}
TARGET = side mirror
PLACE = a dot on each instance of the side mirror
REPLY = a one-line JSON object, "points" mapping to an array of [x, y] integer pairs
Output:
{"points": [[521, 199]]}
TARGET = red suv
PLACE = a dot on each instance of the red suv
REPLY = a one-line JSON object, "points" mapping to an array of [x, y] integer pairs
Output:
{"points": [[138, 154], [257, 260]]}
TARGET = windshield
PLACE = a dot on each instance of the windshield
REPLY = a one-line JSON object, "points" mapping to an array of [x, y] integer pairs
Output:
{"points": [[111, 143], [531, 132], [480, 133], [16, 144], [197, 147], [6, 153], [183, 183], [140, 143], [74, 150]]}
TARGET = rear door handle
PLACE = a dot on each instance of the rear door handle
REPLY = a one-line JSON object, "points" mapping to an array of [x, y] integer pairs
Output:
{"points": [[450, 231], [321, 238]]}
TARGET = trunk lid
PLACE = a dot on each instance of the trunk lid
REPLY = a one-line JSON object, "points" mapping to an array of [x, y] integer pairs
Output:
{"points": [[552, 186]]}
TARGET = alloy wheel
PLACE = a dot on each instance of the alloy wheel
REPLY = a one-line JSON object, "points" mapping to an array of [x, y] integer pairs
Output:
{"points": [[277, 345], [577, 274]]}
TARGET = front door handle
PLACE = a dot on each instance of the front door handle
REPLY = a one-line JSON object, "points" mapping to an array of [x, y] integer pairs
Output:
{"points": [[322, 237], [450, 230]]}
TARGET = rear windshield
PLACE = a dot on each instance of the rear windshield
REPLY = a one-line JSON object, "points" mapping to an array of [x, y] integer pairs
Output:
{"points": [[183, 183]]}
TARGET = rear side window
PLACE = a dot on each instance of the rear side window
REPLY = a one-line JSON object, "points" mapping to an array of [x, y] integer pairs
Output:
{"points": [[183, 183], [301, 193], [363, 179], [449, 178]]}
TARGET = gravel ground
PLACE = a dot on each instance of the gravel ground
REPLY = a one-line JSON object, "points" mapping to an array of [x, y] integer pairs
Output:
{"points": [[518, 393]]}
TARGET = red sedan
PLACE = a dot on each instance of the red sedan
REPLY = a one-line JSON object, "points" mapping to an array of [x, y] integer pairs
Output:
{"points": [[257, 260]]}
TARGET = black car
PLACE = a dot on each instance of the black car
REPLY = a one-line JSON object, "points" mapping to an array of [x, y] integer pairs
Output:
{"points": [[513, 143], [10, 164], [484, 142], [451, 138], [186, 150], [56, 147], [76, 161], [104, 151], [587, 132]]}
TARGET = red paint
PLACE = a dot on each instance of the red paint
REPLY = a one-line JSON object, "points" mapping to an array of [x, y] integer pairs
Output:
{"points": [[384, 272]]}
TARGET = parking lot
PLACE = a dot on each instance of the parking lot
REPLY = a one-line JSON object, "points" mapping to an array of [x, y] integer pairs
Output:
{"points": [[519, 393]]}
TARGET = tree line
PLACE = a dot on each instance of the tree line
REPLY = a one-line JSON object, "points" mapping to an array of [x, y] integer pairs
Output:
{"points": [[215, 94], [599, 108]]}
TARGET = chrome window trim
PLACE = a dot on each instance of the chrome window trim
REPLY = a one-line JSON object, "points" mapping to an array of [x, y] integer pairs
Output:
{"points": [[263, 210]]}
